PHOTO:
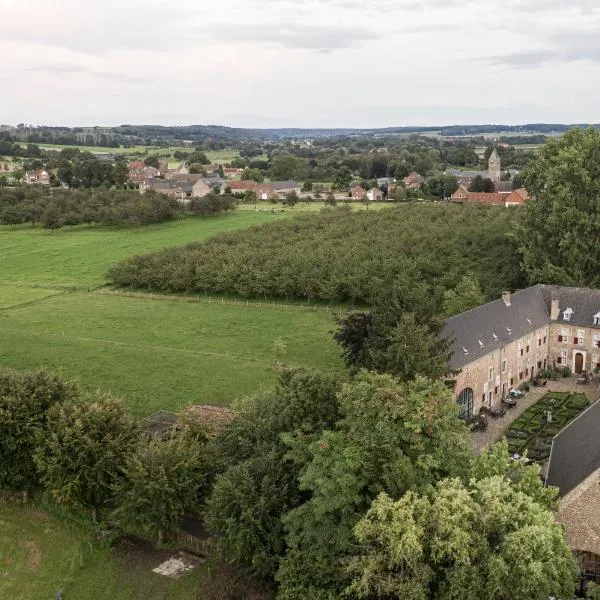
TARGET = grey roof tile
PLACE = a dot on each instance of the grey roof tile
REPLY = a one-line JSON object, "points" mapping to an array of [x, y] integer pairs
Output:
{"points": [[575, 453]]}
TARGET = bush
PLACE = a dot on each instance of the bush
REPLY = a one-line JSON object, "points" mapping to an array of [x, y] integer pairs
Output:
{"points": [[566, 372], [524, 387]]}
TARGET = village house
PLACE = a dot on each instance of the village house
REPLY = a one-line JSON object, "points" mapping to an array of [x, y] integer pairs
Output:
{"points": [[232, 173], [512, 198], [39, 177], [374, 195], [358, 193], [413, 181], [501, 344], [242, 186]]}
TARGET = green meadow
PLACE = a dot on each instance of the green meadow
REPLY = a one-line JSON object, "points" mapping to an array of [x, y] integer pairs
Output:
{"points": [[156, 354], [80, 256]]}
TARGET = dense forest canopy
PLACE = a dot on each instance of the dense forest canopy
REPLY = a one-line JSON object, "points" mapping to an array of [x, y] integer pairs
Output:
{"points": [[343, 255]]}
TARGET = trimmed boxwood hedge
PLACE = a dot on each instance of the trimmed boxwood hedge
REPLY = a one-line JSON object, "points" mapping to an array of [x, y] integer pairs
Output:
{"points": [[531, 431]]}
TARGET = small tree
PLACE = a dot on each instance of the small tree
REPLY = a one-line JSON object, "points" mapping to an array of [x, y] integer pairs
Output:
{"points": [[86, 445], [291, 199], [160, 482]]}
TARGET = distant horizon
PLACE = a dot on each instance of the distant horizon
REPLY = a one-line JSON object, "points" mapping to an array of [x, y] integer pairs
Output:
{"points": [[318, 128]]}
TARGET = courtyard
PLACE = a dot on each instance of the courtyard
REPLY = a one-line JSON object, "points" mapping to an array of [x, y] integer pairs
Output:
{"points": [[497, 428]]}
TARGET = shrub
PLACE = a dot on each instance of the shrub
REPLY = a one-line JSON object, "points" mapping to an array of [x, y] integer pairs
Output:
{"points": [[565, 372], [524, 387]]}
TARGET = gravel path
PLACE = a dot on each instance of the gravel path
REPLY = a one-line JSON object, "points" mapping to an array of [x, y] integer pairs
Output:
{"points": [[497, 427]]}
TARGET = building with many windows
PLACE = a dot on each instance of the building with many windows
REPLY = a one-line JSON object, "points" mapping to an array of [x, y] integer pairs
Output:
{"points": [[503, 343]]}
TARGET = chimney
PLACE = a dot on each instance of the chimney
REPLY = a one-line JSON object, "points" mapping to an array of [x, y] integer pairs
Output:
{"points": [[506, 298], [554, 309]]}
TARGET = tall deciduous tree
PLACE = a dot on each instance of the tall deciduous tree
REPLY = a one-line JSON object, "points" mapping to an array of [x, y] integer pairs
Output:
{"points": [[258, 484], [560, 232], [392, 437], [25, 399], [161, 480], [83, 450], [486, 539]]}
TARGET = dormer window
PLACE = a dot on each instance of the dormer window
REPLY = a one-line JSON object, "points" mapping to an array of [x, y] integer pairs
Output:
{"points": [[568, 314], [480, 343], [495, 337], [529, 321], [597, 318], [466, 352], [508, 330]]}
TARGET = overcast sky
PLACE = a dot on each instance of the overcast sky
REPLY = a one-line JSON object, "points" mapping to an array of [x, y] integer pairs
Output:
{"points": [[299, 63]]}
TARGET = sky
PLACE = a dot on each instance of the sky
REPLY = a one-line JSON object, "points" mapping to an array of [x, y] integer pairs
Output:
{"points": [[299, 63]]}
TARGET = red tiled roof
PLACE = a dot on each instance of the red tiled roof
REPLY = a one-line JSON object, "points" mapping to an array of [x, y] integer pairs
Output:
{"points": [[242, 186]]}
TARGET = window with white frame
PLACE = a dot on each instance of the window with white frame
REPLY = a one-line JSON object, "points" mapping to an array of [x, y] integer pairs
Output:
{"points": [[490, 373], [504, 366], [563, 355], [565, 335], [580, 336], [597, 340], [567, 314]]}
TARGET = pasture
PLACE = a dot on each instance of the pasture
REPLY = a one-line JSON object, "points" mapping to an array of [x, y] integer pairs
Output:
{"points": [[80, 256], [154, 353], [163, 354], [41, 553], [216, 156]]}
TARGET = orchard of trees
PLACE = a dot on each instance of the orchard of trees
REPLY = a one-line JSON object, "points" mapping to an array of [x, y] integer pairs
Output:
{"points": [[53, 209], [326, 486], [341, 255]]}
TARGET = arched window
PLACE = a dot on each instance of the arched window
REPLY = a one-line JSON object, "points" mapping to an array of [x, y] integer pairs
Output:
{"points": [[465, 404]]}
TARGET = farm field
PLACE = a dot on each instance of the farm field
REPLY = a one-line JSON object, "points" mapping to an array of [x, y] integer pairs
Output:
{"points": [[80, 257], [217, 156], [163, 354], [41, 554], [154, 353]]}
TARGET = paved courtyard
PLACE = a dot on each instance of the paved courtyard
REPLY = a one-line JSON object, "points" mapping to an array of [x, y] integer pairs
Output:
{"points": [[497, 427]]}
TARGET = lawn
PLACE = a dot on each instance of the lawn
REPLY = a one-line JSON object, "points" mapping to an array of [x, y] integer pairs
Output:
{"points": [[532, 432], [163, 354], [80, 256], [41, 553]]}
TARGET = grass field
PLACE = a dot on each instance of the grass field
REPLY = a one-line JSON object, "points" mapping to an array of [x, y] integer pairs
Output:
{"points": [[217, 156], [40, 554], [154, 353], [80, 256], [163, 354]]}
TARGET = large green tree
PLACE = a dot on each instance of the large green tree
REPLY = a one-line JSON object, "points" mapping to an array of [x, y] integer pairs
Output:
{"points": [[560, 233], [25, 399], [485, 539], [392, 437], [466, 295], [161, 481], [83, 450], [258, 484]]}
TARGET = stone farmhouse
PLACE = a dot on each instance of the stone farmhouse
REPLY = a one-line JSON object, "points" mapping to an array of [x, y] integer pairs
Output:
{"points": [[375, 195], [358, 192], [413, 181], [501, 344], [39, 177]]}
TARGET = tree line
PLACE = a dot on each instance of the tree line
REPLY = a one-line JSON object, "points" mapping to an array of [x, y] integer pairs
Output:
{"points": [[323, 487], [53, 208]]}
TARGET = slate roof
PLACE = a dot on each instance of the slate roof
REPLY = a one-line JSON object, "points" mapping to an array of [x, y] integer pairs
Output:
{"points": [[490, 327], [575, 453], [585, 303], [284, 185], [467, 174]]}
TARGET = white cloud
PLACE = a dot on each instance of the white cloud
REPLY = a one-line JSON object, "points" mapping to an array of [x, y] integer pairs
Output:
{"points": [[310, 63]]}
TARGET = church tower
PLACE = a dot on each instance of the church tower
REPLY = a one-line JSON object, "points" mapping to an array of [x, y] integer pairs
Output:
{"points": [[494, 166]]}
